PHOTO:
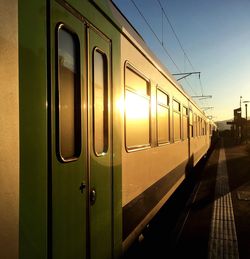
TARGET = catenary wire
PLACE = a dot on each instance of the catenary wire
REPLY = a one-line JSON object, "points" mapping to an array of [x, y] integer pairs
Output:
{"points": [[151, 29], [164, 48]]}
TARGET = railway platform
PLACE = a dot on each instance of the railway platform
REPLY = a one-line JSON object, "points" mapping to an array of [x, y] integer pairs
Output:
{"points": [[218, 224], [214, 221]]}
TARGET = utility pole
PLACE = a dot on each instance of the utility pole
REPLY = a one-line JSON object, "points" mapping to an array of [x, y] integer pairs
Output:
{"points": [[246, 102], [240, 119], [246, 122]]}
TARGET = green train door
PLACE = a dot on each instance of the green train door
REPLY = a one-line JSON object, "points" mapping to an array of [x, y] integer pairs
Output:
{"points": [[100, 145], [81, 139], [69, 181]]}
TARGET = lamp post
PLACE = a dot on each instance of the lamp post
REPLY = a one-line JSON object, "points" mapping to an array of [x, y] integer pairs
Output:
{"points": [[240, 132], [246, 102]]}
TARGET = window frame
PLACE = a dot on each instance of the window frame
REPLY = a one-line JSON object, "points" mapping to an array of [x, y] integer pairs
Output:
{"points": [[186, 115], [78, 140], [105, 103], [195, 121], [158, 88], [199, 125], [191, 123], [173, 124], [128, 65]]}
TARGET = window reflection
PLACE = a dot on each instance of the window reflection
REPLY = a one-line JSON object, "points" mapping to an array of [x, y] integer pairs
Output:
{"points": [[191, 124], [137, 111], [185, 122], [177, 120], [100, 102], [162, 117], [69, 95]]}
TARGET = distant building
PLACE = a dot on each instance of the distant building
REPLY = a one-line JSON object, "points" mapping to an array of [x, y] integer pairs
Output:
{"points": [[240, 127]]}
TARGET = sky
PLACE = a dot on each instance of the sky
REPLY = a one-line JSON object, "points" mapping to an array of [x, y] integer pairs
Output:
{"points": [[211, 37]]}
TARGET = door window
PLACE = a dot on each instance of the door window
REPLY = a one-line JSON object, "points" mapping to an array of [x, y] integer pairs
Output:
{"points": [[100, 92], [69, 102]]}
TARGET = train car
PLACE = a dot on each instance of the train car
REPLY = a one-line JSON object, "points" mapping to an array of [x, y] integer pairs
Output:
{"points": [[95, 133], [165, 134]]}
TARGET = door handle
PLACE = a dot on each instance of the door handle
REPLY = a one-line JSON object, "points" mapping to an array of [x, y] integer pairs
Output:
{"points": [[92, 196]]}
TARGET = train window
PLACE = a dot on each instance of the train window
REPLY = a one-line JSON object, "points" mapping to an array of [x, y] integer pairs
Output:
{"points": [[163, 122], [162, 98], [137, 110], [176, 106], [185, 111], [194, 124], [205, 128], [69, 98], [191, 124], [199, 125], [185, 122], [136, 82], [177, 120], [202, 127], [100, 101]]}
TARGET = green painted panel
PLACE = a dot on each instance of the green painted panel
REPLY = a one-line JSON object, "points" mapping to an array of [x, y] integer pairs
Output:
{"points": [[69, 201], [33, 128], [100, 165], [69, 205]]}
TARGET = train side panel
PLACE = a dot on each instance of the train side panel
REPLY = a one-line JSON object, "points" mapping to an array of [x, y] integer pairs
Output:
{"points": [[154, 164], [9, 130], [152, 172], [199, 142]]}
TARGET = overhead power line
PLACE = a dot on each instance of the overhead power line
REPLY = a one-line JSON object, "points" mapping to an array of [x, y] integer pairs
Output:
{"points": [[201, 96], [166, 51], [161, 42], [175, 34], [184, 75], [179, 42]]}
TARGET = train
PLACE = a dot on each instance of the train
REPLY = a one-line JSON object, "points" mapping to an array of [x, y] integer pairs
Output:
{"points": [[95, 135]]}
